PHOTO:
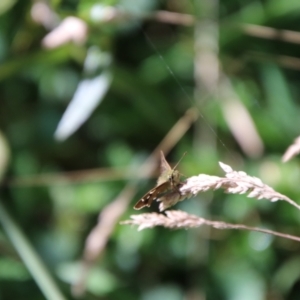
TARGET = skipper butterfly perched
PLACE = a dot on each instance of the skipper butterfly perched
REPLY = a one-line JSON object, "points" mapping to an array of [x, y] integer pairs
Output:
{"points": [[167, 182]]}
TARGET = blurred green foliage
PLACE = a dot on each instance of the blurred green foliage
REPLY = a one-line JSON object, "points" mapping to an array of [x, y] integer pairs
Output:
{"points": [[152, 64]]}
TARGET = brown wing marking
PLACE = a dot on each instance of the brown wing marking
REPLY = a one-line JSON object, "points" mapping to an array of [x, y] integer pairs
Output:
{"points": [[153, 194]]}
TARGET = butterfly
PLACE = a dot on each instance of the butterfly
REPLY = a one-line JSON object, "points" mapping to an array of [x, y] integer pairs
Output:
{"points": [[167, 182]]}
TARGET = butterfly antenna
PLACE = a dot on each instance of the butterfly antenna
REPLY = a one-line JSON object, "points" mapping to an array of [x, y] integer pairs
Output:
{"points": [[183, 155]]}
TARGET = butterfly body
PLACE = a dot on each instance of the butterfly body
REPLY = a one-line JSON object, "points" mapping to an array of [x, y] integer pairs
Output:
{"points": [[168, 181]]}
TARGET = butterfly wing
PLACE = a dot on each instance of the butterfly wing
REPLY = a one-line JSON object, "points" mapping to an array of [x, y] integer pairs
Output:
{"points": [[164, 166], [153, 194], [165, 169]]}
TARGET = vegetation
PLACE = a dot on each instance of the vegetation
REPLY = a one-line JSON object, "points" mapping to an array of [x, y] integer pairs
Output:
{"points": [[91, 91]]}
